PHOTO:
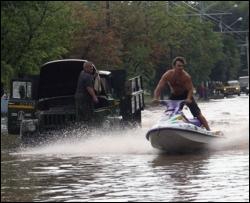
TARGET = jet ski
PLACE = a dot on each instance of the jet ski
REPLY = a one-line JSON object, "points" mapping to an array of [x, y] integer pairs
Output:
{"points": [[174, 132]]}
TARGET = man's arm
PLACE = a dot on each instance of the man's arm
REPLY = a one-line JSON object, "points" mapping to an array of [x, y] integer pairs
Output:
{"points": [[162, 83], [92, 94]]}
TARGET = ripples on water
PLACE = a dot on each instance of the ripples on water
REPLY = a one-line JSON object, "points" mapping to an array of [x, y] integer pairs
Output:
{"points": [[122, 166]]}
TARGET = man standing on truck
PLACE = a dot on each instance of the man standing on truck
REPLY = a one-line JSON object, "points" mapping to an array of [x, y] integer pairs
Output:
{"points": [[85, 96]]}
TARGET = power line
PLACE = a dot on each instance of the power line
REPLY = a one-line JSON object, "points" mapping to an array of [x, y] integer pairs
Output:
{"points": [[201, 13]]}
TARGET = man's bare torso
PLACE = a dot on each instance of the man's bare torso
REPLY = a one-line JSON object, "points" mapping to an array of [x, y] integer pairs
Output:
{"points": [[179, 82]]}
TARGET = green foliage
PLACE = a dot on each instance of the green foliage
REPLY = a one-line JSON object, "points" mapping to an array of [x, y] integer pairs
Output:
{"points": [[140, 36], [227, 66], [32, 33]]}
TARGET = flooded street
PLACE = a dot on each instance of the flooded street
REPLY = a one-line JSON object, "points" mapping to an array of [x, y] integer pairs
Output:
{"points": [[123, 166]]}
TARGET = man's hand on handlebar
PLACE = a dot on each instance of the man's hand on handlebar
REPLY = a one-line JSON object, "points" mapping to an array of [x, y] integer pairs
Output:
{"points": [[155, 102], [95, 99]]}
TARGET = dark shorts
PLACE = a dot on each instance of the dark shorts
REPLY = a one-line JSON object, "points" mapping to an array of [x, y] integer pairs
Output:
{"points": [[195, 110]]}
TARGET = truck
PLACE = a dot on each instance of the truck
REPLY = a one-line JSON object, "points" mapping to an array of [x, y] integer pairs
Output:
{"points": [[244, 84], [45, 102], [231, 87]]}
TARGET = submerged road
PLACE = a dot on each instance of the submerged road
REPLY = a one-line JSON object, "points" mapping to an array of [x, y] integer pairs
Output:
{"points": [[122, 165]]}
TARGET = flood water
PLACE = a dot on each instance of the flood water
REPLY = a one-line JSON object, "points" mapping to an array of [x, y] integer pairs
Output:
{"points": [[123, 166]]}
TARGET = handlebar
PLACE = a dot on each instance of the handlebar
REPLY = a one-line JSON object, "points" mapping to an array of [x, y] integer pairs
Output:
{"points": [[175, 101]]}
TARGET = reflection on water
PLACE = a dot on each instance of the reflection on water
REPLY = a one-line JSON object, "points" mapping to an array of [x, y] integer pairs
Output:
{"points": [[122, 166], [128, 178], [206, 178]]}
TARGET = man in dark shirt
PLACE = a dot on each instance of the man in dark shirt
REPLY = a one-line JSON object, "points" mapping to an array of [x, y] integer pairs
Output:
{"points": [[85, 96]]}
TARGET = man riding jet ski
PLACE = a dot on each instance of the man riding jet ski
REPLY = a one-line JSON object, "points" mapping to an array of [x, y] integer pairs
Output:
{"points": [[174, 132], [184, 134], [181, 87]]}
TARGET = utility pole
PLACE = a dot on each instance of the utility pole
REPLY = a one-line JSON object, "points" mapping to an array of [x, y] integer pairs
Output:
{"points": [[220, 24], [202, 11], [168, 6], [247, 44], [107, 14]]}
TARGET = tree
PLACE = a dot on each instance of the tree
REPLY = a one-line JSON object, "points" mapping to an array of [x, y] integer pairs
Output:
{"points": [[141, 36], [32, 33], [95, 40], [228, 65]]}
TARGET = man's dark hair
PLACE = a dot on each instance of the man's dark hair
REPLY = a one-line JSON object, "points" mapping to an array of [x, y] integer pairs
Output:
{"points": [[179, 58]]}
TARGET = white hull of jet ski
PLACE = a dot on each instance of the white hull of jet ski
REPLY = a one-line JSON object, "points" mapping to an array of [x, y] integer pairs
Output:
{"points": [[183, 137]]}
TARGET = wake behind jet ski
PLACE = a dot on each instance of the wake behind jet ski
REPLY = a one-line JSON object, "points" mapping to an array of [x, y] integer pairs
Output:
{"points": [[174, 132]]}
